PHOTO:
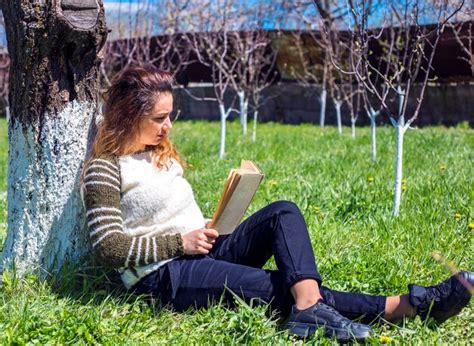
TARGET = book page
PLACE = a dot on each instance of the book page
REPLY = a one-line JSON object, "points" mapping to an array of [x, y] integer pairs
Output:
{"points": [[249, 165], [235, 208], [229, 187]]}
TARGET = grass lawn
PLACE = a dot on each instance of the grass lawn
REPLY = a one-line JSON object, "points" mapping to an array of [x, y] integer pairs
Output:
{"points": [[347, 202]]}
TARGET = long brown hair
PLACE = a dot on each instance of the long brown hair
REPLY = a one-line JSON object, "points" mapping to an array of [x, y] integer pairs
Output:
{"points": [[131, 97]]}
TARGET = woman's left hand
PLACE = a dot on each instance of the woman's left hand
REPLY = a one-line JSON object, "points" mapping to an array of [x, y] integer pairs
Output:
{"points": [[199, 242]]}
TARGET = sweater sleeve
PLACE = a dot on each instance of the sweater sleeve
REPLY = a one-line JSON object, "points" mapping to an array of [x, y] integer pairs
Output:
{"points": [[113, 247]]}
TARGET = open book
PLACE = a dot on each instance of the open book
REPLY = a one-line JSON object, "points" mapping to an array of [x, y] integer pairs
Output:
{"points": [[239, 190]]}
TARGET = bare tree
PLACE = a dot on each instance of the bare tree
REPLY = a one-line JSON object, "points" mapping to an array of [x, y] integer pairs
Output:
{"points": [[212, 49], [335, 90], [316, 69], [311, 64], [343, 54], [324, 84], [55, 51], [380, 83], [331, 13], [352, 95], [339, 51], [411, 60], [464, 35], [339, 83], [129, 40], [261, 67], [254, 61], [137, 41], [249, 50]]}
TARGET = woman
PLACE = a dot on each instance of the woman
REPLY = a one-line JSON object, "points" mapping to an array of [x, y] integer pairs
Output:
{"points": [[144, 222]]}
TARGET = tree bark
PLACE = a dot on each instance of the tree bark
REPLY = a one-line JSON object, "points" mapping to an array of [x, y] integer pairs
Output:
{"points": [[55, 49]]}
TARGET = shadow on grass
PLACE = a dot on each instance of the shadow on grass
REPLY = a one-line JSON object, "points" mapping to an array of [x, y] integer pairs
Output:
{"points": [[91, 284]]}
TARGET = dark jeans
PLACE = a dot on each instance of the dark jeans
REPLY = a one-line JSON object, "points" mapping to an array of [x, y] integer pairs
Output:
{"points": [[235, 263]]}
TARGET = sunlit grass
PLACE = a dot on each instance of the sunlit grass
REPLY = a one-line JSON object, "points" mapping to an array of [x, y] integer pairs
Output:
{"points": [[347, 202]]}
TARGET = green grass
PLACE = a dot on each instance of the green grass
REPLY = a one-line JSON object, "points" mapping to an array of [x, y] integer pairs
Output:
{"points": [[347, 202]]}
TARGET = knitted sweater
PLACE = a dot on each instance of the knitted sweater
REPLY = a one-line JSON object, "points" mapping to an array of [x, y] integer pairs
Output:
{"points": [[136, 213]]}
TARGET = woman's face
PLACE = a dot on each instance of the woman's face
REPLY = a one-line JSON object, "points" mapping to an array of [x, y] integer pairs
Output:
{"points": [[156, 126]]}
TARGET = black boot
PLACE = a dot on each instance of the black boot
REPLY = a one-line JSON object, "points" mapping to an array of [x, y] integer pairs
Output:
{"points": [[443, 300], [304, 323]]}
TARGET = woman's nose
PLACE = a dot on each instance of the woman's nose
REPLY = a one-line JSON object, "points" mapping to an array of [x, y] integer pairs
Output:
{"points": [[168, 123]]}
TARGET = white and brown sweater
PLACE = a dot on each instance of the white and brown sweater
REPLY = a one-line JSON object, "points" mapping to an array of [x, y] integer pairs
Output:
{"points": [[136, 213]]}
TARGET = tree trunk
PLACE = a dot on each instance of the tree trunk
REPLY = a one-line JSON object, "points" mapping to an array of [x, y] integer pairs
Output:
{"points": [[246, 114], [373, 139], [401, 100], [254, 132], [223, 130], [400, 128], [338, 105], [54, 48], [243, 110], [322, 111], [353, 127]]}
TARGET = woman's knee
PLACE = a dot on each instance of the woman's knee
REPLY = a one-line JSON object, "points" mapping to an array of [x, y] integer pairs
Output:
{"points": [[284, 207]]}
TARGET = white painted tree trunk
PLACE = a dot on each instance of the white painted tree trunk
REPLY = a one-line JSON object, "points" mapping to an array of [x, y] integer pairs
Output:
{"points": [[243, 110], [246, 107], [44, 204], [49, 129], [353, 128], [400, 130], [254, 132], [338, 105], [373, 139], [223, 130], [240, 94], [322, 111]]}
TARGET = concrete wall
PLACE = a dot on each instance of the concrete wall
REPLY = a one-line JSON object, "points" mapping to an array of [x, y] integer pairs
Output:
{"points": [[443, 104]]}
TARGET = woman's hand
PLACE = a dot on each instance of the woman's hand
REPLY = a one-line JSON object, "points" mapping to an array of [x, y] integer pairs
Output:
{"points": [[200, 241]]}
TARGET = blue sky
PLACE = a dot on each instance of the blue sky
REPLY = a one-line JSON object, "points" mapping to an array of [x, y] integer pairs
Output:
{"points": [[114, 5], [279, 17]]}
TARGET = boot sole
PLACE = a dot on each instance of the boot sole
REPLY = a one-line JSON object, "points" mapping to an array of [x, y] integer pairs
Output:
{"points": [[304, 330]]}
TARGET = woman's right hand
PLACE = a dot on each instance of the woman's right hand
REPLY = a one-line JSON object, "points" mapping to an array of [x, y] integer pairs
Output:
{"points": [[200, 241]]}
